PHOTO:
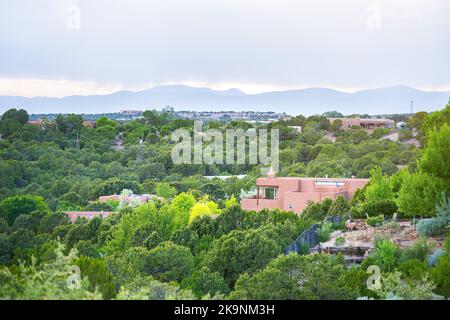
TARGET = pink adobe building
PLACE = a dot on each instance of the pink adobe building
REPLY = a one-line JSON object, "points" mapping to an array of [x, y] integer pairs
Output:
{"points": [[365, 123], [293, 194], [73, 215]]}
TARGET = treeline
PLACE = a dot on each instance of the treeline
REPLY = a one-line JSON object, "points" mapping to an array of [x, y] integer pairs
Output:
{"points": [[194, 241]]}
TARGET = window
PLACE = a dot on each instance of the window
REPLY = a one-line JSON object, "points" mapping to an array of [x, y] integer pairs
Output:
{"points": [[270, 193]]}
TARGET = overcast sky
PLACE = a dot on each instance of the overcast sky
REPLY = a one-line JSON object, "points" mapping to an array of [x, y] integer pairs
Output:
{"points": [[64, 47]]}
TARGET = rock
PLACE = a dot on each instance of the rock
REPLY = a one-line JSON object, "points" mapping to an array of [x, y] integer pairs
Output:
{"points": [[358, 224]]}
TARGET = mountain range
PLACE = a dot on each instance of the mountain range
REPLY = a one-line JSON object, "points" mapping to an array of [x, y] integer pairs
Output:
{"points": [[388, 100]]}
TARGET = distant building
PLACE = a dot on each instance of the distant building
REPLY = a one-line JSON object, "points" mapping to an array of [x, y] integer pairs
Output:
{"points": [[141, 197], [365, 123], [296, 128], [239, 176], [89, 124], [74, 215], [37, 122], [293, 194], [135, 113]]}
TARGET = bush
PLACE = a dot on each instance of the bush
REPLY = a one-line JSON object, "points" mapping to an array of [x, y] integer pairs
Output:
{"points": [[375, 208], [170, 262], [440, 274], [303, 248], [375, 221], [433, 258], [436, 226], [98, 274], [340, 241], [413, 269], [419, 250], [324, 232], [314, 212], [392, 225], [339, 207], [386, 255], [12, 207], [428, 227], [205, 281]]}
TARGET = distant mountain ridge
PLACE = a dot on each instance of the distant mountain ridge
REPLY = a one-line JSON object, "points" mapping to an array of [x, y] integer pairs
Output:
{"points": [[388, 100]]}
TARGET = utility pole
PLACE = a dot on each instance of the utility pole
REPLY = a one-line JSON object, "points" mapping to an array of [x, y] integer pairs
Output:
{"points": [[142, 148], [78, 142], [412, 107]]}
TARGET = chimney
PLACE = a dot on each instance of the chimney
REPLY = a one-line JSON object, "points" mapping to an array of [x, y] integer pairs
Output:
{"points": [[271, 174]]}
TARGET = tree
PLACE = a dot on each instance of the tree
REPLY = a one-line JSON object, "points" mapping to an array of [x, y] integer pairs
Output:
{"points": [[419, 194], [339, 207], [182, 205], [314, 211], [386, 255], [104, 121], [128, 264], [395, 288], [69, 123], [379, 188], [436, 119], [440, 275], [231, 202], [241, 251], [332, 114], [293, 276], [12, 207], [170, 262], [417, 120], [147, 288], [98, 274], [134, 228], [435, 158], [336, 126], [208, 208], [164, 190], [204, 281], [46, 281], [12, 121]]}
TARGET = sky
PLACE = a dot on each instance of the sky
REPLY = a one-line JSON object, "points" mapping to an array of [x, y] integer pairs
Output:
{"points": [[57, 48]]}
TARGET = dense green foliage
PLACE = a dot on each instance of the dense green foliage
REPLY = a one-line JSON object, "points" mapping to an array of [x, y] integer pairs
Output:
{"points": [[194, 240]]}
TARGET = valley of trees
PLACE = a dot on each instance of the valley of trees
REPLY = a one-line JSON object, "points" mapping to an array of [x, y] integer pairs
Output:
{"points": [[194, 241]]}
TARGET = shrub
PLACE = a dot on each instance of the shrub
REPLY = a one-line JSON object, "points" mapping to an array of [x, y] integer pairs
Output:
{"points": [[375, 221], [386, 255], [340, 241], [314, 212], [392, 225], [433, 258], [419, 250], [324, 232], [428, 227], [303, 248], [169, 262], [419, 194], [438, 225], [12, 207], [380, 207], [339, 207], [379, 188], [96, 270], [413, 269], [440, 274]]}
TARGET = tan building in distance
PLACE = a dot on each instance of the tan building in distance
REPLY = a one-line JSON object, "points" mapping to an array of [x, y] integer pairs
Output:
{"points": [[365, 123]]}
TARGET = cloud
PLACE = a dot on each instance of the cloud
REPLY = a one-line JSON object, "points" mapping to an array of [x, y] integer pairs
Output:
{"points": [[256, 44]]}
